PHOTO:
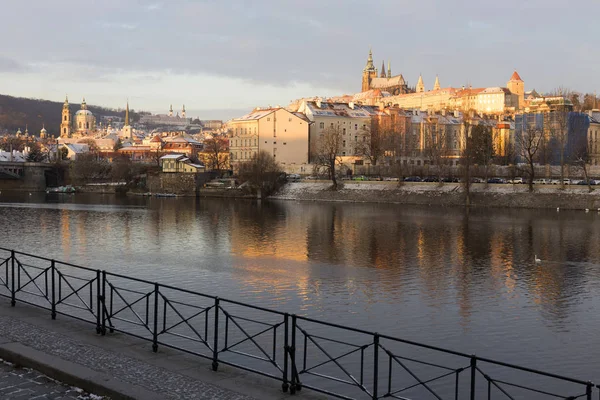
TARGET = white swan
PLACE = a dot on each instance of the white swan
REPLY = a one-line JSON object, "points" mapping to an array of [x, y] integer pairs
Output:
{"points": [[537, 260]]}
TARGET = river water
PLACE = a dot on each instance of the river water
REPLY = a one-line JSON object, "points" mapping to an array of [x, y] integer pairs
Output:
{"points": [[464, 281]]}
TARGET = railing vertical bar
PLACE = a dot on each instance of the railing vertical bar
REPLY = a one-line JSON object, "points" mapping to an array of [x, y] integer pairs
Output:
{"points": [[456, 385], [286, 349], [103, 298], [489, 391], [46, 284], [110, 313], [155, 330], [13, 292], [362, 364], [588, 390], [215, 362], [274, 344], [375, 366], [305, 351], [147, 310], [473, 372], [390, 366], [164, 328], [53, 294], [98, 302], [206, 326], [226, 342]]}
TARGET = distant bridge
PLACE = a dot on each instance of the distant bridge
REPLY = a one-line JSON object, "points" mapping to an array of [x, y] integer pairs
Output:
{"points": [[27, 175]]}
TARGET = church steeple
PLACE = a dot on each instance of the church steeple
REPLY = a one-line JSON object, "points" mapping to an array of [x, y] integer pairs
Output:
{"points": [[127, 114], [83, 104], [420, 86], [389, 70], [171, 110], [436, 85], [382, 75], [183, 111], [65, 124], [370, 66]]}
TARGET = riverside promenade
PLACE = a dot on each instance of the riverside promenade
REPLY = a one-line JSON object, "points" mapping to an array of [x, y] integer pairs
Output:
{"points": [[117, 366]]}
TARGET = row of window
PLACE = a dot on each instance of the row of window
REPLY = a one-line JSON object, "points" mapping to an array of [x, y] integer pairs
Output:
{"points": [[322, 126]]}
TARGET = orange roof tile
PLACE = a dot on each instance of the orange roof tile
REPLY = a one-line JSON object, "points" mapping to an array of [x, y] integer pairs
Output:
{"points": [[515, 77]]}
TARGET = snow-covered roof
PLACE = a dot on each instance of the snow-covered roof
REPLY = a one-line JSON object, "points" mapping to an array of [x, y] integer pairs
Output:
{"points": [[255, 115]]}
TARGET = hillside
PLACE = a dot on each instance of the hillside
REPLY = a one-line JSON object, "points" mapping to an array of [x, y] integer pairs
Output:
{"points": [[16, 112]]}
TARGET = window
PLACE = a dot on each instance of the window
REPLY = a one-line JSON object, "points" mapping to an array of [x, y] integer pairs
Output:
{"points": [[332, 124], [344, 130], [356, 138], [322, 125], [343, 153], [344, 143], [265, 141], [65, 117], [268, 119], [355, 127], [290, 120], [284, 143], [274, 142]]}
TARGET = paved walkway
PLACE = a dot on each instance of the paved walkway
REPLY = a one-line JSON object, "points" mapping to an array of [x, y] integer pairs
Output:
{"points": [[119, 366], [25, 383]]}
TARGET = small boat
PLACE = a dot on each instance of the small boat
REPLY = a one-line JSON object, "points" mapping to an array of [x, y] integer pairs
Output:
{"points": [[165, 195], [61, 189]]}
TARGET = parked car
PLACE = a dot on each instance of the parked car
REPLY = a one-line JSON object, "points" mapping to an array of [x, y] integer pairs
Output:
{"points": [[412, 179], [476, 180], [516, 180], [540, 181], [584, 182], [566, 181], [293, 177], [448, 179], [554, 182], [359, 178], [430, 179], [390, 179], [496, 180]]}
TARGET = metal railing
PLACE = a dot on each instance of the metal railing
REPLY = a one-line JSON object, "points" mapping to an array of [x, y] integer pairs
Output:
{"points": [[299, 352]]}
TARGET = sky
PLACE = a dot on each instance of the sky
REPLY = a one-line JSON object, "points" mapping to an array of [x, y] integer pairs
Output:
{"points": [[223, 58]]}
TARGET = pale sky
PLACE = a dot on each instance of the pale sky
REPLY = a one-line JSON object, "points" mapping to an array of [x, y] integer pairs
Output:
{"points": [[222, 58]]}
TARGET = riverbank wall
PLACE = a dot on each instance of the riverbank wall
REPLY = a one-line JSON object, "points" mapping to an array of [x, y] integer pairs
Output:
{"points": [[448, 194]]}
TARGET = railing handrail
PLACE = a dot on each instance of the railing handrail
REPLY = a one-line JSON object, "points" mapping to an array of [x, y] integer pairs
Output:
{"points": [[156, 290]]}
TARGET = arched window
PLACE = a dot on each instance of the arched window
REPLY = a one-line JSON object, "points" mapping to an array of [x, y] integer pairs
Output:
{"points": [[87, 125], [65, 117], [80, 125], [65, 130]]}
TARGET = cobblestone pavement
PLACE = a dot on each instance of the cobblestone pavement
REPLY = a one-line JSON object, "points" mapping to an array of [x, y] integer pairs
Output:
{"points": [[153, 378], [25, 383]]}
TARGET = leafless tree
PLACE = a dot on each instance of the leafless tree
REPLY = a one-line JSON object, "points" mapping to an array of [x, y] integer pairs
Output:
{"points": [[262, 173], [216, 153], [436, 144], [530, 142], [327, 149], [375, 141]]}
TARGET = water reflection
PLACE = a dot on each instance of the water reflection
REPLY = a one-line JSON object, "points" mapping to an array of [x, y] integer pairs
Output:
{"points": [[443, 276]]}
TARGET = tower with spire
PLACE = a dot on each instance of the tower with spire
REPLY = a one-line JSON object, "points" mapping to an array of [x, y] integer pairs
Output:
{"points": [[171, 110], [127, 114], [383, 75], [65, 124], [420, 86], [389, 75], [369, 72], [436, 85], [127, 132], [183, 112]]}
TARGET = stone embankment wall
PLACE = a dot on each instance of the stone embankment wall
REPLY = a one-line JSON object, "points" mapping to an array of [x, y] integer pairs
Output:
{"points": [[34, 178], [182, 184], [449, 194]]}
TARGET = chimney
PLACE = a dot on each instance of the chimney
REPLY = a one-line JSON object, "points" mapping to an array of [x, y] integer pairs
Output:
{"points": [[456, 114], [351, 105], [443, 112], [318, 102]]}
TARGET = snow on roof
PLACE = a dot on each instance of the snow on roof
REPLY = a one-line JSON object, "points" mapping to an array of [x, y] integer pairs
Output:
{"points": [[339, 110], [78, 147], [254, 115], [173, 157]]}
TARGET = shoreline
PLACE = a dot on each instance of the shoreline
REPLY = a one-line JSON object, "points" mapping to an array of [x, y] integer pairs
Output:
{"points": [[447, 195]]}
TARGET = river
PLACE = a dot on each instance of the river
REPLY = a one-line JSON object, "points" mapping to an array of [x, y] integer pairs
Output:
{"points": [[442, 276]]}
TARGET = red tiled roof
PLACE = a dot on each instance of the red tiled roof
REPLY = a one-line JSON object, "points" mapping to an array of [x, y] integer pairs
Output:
{"points": [[515, 77]]}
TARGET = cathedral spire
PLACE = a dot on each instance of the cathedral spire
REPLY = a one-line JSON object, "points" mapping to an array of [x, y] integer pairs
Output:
{"points": [[171, 110], [382, 70], [370, 66], [127, 114], [420, 86], [436, 85], [389, 70]]}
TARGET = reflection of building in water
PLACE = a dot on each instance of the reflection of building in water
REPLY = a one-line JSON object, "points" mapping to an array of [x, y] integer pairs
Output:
{"points": [[81, 233], [65, 233]]}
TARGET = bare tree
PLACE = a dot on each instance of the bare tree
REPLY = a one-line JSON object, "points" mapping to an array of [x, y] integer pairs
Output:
{"points": [[327, 149], [216, 153], [482, 147], [375, 141], [262, 173], [530, 142], [436, 144], [467, 154]]}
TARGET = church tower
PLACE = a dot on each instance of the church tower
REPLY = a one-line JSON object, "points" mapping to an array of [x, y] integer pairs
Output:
{"points": [[65, 125], [171, 111], [127, 132], [183, 112], [420, 86], [369, 72], [382, 75], [436, 85], [389, 70], [516, 86]]}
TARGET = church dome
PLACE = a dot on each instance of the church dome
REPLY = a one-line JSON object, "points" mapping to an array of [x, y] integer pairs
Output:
{"points": [[84, 112]]}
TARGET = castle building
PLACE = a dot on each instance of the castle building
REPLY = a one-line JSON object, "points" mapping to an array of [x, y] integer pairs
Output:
{"points": [[394, 85]]}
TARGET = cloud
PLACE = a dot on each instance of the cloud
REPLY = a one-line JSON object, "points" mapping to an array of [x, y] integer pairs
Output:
{"points": [[10, 65]]}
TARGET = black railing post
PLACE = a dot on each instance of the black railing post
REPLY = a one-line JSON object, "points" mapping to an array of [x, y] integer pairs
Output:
{"points": [[286, 349], [103, 303], [155, 330], [13, 292], [588, 390], [473, 371], [99, 302], [53, 272], [215, 363], [295, 381], [375, 366]]}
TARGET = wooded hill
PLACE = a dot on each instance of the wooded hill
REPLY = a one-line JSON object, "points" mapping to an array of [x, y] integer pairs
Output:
{"points": [[16, 112]]}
